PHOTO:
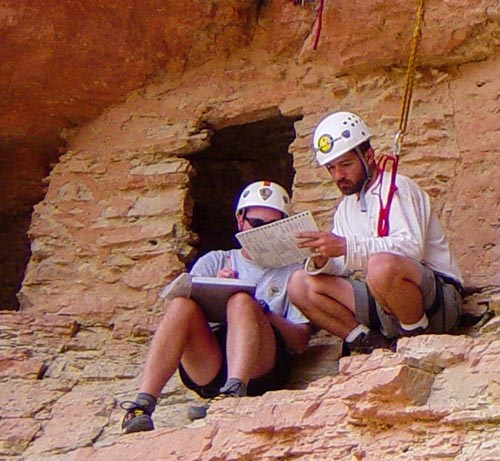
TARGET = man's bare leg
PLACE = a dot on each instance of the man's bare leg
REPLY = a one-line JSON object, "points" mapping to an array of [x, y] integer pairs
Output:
{"points": [[327, 301], [250, 348], [182, 335], [251, 344], [394, 281]]}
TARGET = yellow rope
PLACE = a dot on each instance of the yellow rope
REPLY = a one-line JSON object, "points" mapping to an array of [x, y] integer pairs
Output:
{"points": [[410, 77]]}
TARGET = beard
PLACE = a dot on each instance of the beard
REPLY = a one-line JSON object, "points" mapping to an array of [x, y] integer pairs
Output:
{"points": [[348, 187]]}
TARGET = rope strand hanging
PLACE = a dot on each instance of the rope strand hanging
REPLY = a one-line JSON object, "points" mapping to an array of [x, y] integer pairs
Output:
{"points": [[319, 18], [393, 160], [320, 22], [410, 78]]}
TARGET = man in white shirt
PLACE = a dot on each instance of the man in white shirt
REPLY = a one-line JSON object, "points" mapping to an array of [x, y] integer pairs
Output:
{"points": [[248, 353], [405, 282]]}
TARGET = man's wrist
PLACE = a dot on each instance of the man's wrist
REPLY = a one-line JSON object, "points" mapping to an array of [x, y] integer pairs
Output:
{"points": [[264, 306], [319, 261]]}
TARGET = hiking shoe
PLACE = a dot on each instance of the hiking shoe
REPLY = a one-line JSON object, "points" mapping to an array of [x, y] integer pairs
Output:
{"points": [[365, 343], [468, 319], [137, 418], [200, 411], [233, 388]]}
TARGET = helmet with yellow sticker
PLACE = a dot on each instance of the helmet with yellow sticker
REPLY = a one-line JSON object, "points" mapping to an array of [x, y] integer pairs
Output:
{"points": [[337, 134], [264, 193]]}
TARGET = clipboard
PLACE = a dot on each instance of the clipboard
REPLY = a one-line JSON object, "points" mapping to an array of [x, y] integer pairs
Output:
{"points": [[210, 293]]}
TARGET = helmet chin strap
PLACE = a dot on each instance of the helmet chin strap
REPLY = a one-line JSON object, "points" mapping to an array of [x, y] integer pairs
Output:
{"points": [[362, 199]]}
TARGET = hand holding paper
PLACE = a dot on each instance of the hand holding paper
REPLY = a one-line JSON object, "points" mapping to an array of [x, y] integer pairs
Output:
{"points": [[325, 244]]}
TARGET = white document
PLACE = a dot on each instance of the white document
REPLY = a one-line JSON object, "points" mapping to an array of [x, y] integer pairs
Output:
{"points": [[180, 286], [275, 244], [210, 293]]}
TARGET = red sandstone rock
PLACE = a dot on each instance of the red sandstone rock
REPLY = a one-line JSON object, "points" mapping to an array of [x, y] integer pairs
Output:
{"points": [[102, 245], [338, 416]]}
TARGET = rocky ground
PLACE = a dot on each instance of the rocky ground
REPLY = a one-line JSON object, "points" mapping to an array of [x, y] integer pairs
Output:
{"points": [[61, 384]]}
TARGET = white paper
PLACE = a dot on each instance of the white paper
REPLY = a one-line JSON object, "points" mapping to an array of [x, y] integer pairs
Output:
{"points": [[180, 286], [275, 244]]}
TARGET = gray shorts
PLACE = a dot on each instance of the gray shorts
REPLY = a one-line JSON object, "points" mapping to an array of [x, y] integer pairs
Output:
{"points": [[442, 303]]}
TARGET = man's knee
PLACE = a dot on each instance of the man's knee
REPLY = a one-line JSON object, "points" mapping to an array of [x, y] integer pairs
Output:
{"points": [[181, 308], [239, 304], [298, 284], [383, 269], [181, 303], [240, 299]]}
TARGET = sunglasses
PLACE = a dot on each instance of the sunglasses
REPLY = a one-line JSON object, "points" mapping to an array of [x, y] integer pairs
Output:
{"points": [[257, 222]]}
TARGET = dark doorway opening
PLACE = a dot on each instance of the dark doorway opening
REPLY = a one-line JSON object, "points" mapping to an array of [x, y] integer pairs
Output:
{"points": [[14, 254], [23, 167], [237, 156]]}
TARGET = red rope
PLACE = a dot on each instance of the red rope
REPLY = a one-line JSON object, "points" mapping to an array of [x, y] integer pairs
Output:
{"points": [[320, 19], [320, 22]]}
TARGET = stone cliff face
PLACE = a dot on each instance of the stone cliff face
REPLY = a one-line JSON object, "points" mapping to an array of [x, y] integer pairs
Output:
{"points": [[435, 398], [139, 111], [62, 64]]}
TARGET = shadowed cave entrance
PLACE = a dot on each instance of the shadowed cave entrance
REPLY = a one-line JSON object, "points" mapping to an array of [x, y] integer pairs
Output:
{"points": [[23, 166], [237, 156]]}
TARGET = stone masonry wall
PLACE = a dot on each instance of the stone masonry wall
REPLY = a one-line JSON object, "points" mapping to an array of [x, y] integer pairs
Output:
{"points": [[114, 225], [110, 224]]}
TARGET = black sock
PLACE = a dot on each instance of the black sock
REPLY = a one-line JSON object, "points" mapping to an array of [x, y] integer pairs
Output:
{"points": [[234, 386], [147, 401]]}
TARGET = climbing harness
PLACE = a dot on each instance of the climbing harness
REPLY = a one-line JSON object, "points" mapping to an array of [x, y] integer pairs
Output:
{"points": [[392, 160], [319, 17]]}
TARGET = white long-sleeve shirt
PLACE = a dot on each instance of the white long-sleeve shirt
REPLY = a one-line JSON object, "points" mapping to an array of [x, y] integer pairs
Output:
{"points": [[414, 231]]}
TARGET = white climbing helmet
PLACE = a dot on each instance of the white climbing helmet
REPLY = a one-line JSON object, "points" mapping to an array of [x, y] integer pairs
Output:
{"points": [[264, 193], [337, 134]]}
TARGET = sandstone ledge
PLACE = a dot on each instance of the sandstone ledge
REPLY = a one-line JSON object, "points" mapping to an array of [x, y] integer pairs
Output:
{"points": [[436, 397], [404, 405]]}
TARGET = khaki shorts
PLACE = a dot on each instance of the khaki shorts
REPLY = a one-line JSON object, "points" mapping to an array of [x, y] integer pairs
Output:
{"points": [[442, 303]]}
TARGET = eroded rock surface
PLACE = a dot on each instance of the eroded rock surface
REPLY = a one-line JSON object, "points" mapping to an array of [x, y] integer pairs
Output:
{"points": [[436, 397]]}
